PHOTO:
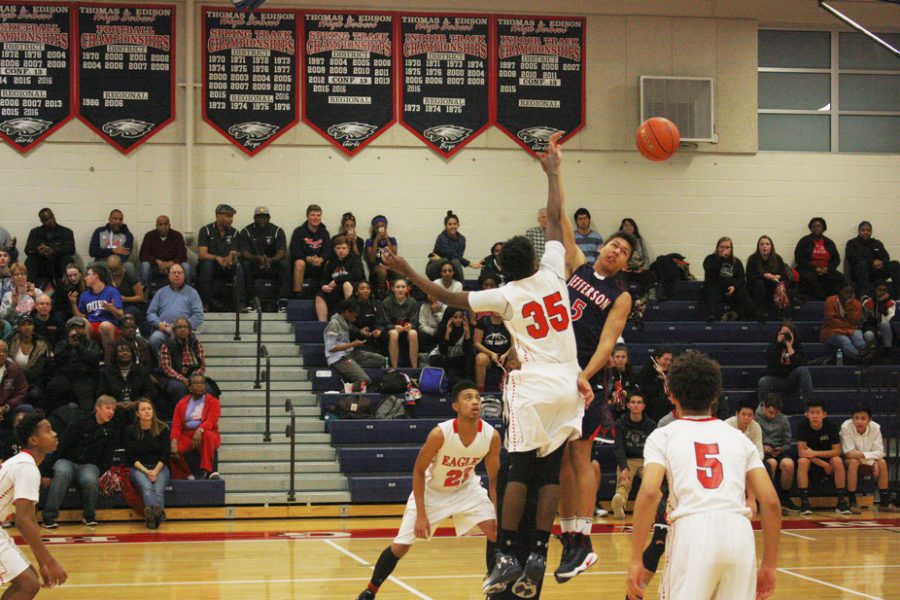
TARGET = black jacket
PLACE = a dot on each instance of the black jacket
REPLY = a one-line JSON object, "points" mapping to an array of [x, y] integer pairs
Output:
{"points": [[136, 385], [60, 238], [712, 266], [756, 269], [631, 437], [87, 442], [777, 367], [652, 386], [305, 242], [803, 253], [859, 250], [82, 360]]}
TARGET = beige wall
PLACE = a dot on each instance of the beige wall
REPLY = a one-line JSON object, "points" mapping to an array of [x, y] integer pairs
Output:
{"points": [[682, 205]]}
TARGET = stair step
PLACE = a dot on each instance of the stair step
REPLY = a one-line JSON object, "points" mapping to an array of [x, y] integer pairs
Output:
{"points": [[276, 468], [305, 497], [315, 482], [239, 439], [246, 385], [223, 373], [277, 410], [277, 362], [247, 327], [270, 451], [278, 423], [257, 398], [246, 348], [229, 316], [247, 338]]}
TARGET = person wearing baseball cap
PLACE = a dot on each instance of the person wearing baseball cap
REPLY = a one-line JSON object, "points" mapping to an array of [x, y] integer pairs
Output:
{"points": [[76, 369], [263, 250], [217, 250]]}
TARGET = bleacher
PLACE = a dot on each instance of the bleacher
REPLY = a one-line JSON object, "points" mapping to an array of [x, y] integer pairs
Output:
{"points": [[377, 456]]}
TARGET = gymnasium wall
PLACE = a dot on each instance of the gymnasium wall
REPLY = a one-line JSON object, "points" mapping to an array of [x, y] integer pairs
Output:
{"points": [[682, 205]]}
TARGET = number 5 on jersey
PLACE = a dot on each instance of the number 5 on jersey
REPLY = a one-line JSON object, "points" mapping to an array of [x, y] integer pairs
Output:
{"points": [[552, 313], [709, 469]]}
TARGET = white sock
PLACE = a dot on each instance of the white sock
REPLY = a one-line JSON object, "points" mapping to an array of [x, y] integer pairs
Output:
{"points": [[567, 524], [583, 525]]}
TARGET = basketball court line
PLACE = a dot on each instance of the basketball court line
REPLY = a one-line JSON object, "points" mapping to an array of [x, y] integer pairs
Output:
{"points": [[827, 584], [802, 537], [366, 563]]}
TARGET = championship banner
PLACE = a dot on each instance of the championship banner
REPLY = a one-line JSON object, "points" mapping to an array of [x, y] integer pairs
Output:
{"points": [[444, 66], [250, 75], [35, 71], [540, 78], [126, 71], [348, 74]]}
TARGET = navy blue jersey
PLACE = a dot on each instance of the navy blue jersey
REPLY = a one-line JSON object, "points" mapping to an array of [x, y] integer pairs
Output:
{"points": [[591, 297]]}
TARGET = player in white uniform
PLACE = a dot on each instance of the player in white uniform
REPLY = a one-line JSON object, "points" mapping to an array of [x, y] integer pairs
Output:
{"points": [[545, 398], [445, 483], [709, 466], [20, 485]]}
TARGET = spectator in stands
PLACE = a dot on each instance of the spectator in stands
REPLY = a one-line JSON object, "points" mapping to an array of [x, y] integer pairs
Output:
{"points": [[493, 345], [355, 243], [113, 239], [868, 261], [371, 321], [819, 449], [50, 247], [343, 271], [652, 383], [431, 313], [76, 367], [490, 265], [47, 326], [13, 387], [619, 378], [101, 305], [878, 312], [450, 245], [400, 315], [777, 445], [840, 327], [817, 260], [147, 449], [310, 249], [454, 346], [32, 355], [217, 257], [725, 281], [446, 278], [162, 247], [638, 269], [263, 248], [8, 245], [195, 428], [65, 297], [343, 351], [766, 272], [171, 302], [85, 452], [140, 348], [379, 240], [124, 379], [538, 235], [587, 240], [785, 371], [632, 431], [20, 299], [6, 283], [863, 449], [130, 288], [180, 356], [743, 421]]}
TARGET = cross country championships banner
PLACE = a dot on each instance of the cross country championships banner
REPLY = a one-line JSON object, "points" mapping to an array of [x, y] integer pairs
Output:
{"points": [[35, 71], [126, 71], [444, 78], [540, 78]]}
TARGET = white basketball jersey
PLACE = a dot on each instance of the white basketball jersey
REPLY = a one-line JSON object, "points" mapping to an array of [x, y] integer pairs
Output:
{"points": [[706, 462], [19, 478], [537, 310], [454, 465]]}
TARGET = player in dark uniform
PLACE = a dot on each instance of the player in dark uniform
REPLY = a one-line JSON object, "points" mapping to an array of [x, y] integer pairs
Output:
{"points": [[600, 308]]}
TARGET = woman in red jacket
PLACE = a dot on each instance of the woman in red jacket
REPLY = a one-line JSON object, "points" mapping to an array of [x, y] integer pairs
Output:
{"points": [[840, 327], [195, 427]]}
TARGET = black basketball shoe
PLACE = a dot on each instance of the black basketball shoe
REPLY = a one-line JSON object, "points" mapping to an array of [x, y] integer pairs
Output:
{"points": [[506, 570], [581, 556], [565, 538], [528, 584]]}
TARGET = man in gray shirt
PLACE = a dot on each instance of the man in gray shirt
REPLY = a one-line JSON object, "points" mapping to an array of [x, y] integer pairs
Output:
{"points": [[776, 436], [342, 353]]}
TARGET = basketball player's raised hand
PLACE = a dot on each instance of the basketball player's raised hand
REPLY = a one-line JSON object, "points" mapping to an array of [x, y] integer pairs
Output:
{"points": [[584, 388], [552, 157], [396, 263], [765, 582]]}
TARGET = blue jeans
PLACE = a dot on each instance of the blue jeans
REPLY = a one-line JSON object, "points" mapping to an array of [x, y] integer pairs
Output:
{"points": [[157, 339], [849, 345], [154, 493], [64, 471], [797, 382], [884, 330]]}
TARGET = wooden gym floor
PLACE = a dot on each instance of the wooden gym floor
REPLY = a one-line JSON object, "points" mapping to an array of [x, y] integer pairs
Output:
{"points": [[821, 558]]}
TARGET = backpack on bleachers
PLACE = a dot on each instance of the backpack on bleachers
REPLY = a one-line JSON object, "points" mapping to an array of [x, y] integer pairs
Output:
{"points": [[491, 407], [391, 407], [353, 407], [393, 382]]}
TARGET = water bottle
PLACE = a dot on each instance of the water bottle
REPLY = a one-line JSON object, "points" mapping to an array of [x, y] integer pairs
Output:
{"points": [[839, 357], [387, 362]]}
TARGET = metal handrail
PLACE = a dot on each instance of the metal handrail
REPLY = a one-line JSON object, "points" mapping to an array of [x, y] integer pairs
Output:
{"points": [[258, 329], [267, 375], [289, 431], [237, 301]]}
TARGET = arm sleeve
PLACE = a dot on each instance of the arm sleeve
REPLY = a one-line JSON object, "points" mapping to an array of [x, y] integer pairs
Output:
{"points": [[619, 449], [554, 259], [196, 318], [153, 309], [654, 453], [802, 254], [490, 301], [203, 238], [94, 248], [144, 254], [280, 240], [214, 410], [297, 249], [164, 447], [181, 254], [835, 261], [462, 251], [756, 438], [877, 451]]}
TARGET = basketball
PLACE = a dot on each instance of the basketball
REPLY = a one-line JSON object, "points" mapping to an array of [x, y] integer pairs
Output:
{"points": [[657, 138]]}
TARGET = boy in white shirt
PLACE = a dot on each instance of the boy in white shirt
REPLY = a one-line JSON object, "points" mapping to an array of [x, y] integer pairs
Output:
{"points": [[863, 450]]}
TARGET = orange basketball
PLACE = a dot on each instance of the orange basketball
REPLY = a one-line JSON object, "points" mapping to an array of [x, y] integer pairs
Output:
{"points": [[657, 138]]}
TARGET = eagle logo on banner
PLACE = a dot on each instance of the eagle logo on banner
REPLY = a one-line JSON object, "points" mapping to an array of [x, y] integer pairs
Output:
{"points": [[539, 133], [127, 128], [252, 131], [24, 128], [351, 130], [449, 134]]}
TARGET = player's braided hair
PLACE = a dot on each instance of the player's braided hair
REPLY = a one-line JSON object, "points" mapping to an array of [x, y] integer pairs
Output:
{"points": [[517, 258], [695, 380]]}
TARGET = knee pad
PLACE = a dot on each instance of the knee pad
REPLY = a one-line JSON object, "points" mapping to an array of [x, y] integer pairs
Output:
{"points": [[657, 546], [547, 468], [522, 466]]}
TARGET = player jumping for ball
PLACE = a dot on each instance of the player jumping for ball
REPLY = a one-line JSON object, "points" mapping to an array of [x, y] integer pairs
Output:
{"points": [[600, 309], [545, 398], [445, 483], [20, 486], [709, 466]]}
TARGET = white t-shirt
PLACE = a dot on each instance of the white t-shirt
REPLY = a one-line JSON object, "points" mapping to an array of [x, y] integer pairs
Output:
{"points": [[19, 478], [870, 442], [453, 467], [706, 463], [537, 310]]}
